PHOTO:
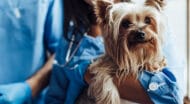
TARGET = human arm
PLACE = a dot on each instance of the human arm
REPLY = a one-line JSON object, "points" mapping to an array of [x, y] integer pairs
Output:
{"points": [[52, 35], [48, 40], [40, 80], [72, 72], [150, 87], [129, 88], [20, 92]]}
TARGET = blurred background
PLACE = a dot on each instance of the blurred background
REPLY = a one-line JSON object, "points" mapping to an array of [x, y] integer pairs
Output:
{"points": [[177, 12]]}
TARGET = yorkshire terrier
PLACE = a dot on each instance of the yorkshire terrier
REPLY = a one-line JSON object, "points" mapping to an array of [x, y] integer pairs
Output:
{"points": [[133, 36]]}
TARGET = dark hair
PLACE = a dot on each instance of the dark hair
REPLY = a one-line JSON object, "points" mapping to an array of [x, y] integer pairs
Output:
{"points": [[80, 13]]}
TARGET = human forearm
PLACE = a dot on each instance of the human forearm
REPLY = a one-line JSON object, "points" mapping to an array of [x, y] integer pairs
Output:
{"points": [[129, 89], [40, 80]]}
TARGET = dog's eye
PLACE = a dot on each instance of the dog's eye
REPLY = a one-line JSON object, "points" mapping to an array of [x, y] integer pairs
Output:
{"points": [[147, 20], [126, 24]]}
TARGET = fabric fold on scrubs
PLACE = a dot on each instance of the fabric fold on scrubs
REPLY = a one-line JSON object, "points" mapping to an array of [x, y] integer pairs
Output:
{"points": [[161, 87], [89, 49]]}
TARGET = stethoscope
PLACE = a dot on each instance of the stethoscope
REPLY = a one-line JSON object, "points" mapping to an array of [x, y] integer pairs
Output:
{"points": [[70, 55]]}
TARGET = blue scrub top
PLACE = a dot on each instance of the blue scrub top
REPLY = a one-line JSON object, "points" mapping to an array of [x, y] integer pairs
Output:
{"points": [[28, 29]]}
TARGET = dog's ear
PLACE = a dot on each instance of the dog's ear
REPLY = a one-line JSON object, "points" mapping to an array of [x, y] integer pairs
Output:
{"points": [[158, 4], [101, 8]]}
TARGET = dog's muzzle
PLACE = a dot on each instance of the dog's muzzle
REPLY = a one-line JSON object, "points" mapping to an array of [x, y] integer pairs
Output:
{"points": [[139, 36]]}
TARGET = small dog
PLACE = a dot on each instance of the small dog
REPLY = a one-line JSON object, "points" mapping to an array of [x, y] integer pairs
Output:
{"points": [[133, 36]]}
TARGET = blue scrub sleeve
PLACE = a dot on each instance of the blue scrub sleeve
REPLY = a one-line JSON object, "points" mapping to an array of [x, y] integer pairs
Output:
{"points": [[75, 74], [57, 87], [67, 80], [54, 26], [161, 87], [16, 93], [67, 83]]}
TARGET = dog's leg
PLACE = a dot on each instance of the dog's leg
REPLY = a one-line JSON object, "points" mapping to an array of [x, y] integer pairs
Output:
{"points": [[104, 90]]}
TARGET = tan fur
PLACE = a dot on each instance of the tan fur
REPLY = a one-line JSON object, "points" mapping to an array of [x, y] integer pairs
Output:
{"points": [[123, 55], [159, 4]]}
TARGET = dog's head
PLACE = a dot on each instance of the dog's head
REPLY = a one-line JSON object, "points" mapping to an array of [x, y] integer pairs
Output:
{"points": [[132, 33]]}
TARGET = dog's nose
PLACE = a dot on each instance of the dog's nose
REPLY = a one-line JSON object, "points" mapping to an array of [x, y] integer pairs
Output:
{"points": [[140, 35]]}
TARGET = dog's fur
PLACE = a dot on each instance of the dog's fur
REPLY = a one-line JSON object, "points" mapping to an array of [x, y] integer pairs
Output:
{"points": [[133, 38]]}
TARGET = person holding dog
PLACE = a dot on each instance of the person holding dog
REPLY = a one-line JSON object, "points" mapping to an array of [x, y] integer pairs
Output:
{"points": [[30, 31], [81, 43], [84, 44]]}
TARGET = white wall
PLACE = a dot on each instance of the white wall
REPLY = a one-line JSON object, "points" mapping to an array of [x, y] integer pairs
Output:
{"points": [[177, 20]]}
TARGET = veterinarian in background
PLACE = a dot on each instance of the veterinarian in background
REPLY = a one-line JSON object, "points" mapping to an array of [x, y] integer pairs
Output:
{"points": [[29, 29], [81, 44]]}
